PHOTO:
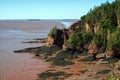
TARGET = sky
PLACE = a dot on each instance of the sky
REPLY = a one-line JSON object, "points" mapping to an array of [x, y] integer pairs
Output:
{"points": [[46, 9]]}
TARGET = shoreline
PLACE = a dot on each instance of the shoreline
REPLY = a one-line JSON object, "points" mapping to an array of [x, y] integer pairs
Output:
{"points": [[73, 66], [33, 66], [14, 33]]}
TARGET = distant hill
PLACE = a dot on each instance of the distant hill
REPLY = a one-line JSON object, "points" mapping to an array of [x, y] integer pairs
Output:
{"points": [[65, 20]]}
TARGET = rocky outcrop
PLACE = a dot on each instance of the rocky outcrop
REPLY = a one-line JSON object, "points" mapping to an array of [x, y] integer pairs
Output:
{"points": [[93, 34], [102, 55], [87, 27], [60, 40], [114, 53], [76, 25], [63, 35], [109, 54], [92, 49], [50, 41]]}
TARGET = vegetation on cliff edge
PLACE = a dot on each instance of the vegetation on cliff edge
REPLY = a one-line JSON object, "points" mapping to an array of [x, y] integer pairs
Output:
{"points": [[100, 27]]}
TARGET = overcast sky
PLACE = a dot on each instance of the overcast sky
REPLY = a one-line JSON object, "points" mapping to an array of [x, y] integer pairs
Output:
{"points": [[46, 9]]}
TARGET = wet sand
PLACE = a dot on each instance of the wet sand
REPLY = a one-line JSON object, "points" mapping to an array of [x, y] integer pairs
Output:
{"points": [[29, 68], [20, 66]]}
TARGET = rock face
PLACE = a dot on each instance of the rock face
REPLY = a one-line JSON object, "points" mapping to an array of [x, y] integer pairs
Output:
{"points": [[92, 49], [114, 53], [63, 35], [87, 27], [109, 54], [74, 26], [49, 41], [59, 41]]}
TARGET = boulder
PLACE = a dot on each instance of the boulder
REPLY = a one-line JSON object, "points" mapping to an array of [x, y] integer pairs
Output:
{"points": [[49, 41], [102, 55], [109, 54], [113, 53], [92, 49]]}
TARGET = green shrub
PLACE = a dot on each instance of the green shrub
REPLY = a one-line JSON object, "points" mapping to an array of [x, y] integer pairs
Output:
{"points": [[115, 40], [78, 40], [53, 32], [112, 75], [100, 39], [107, 24]]}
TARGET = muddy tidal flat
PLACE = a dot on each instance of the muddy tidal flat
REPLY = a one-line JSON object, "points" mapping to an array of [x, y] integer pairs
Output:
{"points": [[21, 66]]}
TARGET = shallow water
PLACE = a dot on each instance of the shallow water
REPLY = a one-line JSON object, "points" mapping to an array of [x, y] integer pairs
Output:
{"points": [[20, 66], [15, 66], [18, 34], [67, 24]]}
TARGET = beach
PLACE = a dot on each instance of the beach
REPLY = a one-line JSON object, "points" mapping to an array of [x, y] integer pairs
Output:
{"points": [[21, 66]]}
